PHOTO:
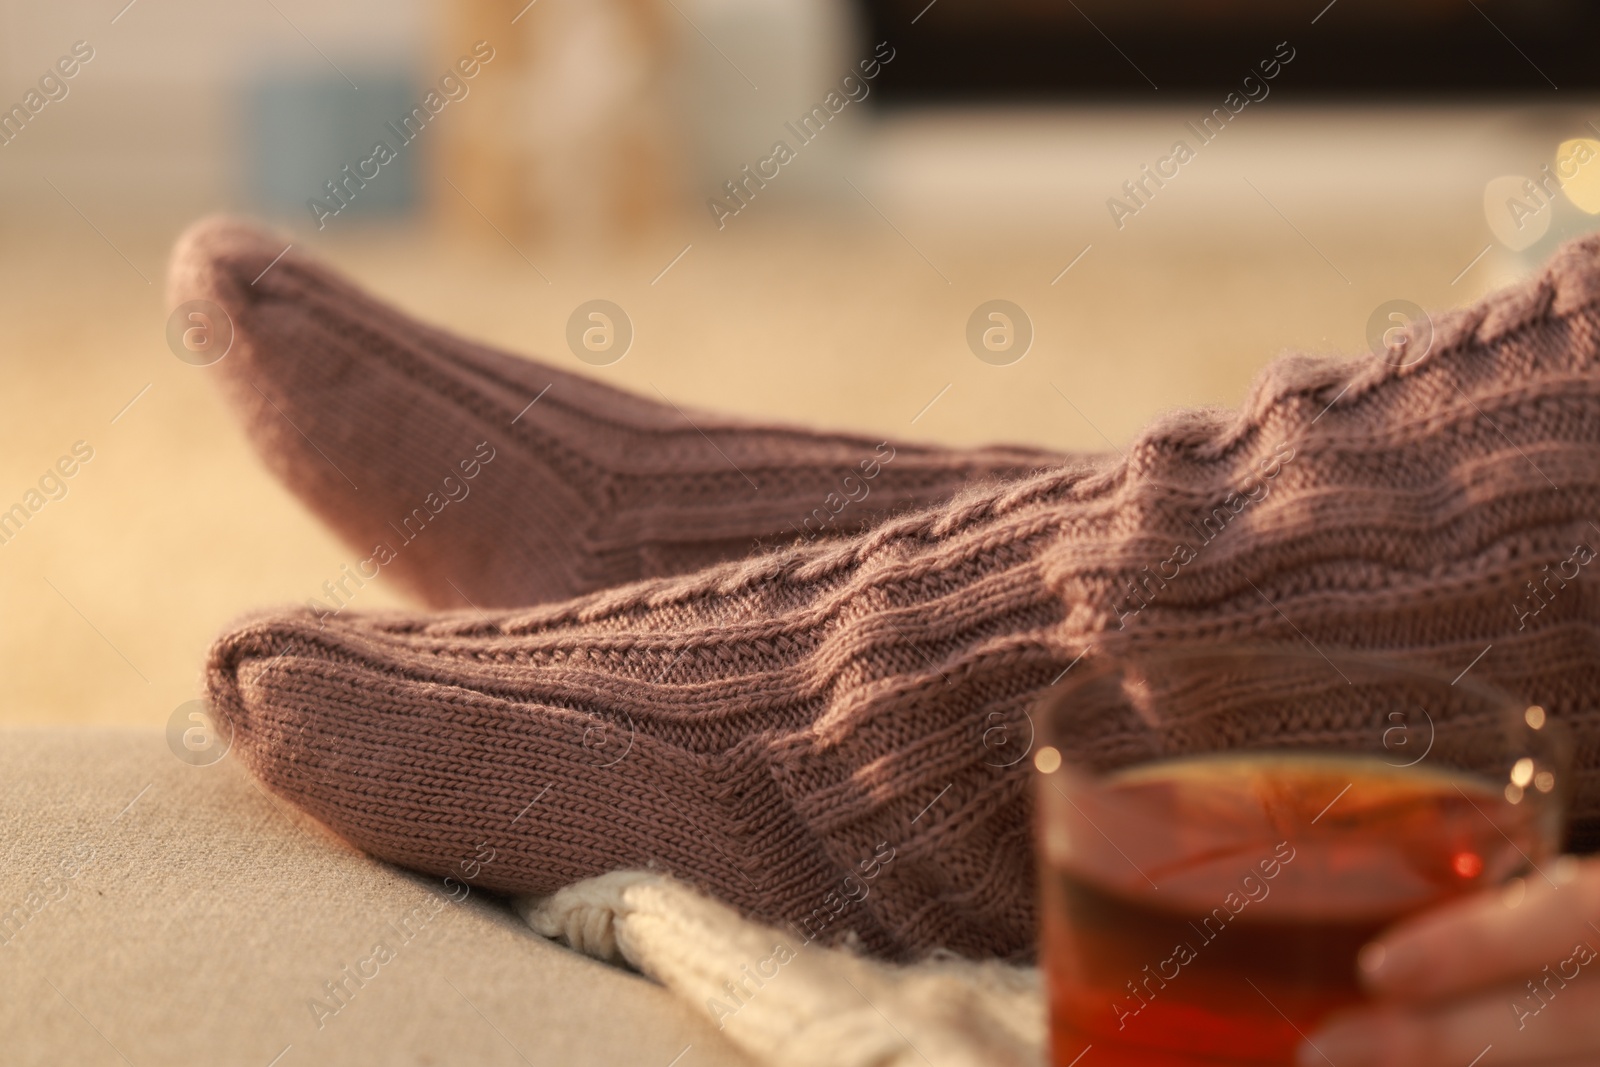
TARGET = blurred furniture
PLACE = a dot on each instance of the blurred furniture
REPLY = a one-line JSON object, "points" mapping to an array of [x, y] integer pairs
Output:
{"points": [[482, 151], [1103, 50], [571, 134], [304, 128]]}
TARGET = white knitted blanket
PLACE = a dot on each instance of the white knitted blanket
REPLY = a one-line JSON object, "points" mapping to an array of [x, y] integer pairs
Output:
{"points": [[794, 1004]]}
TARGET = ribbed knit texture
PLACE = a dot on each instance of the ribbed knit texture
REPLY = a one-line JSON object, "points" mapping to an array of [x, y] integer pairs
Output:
{"points": [[364, 413], [774, 722], [789, 1003]]}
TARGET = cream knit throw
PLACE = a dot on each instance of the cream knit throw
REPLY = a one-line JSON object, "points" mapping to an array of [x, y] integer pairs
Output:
{"points": [[793, 1004]]}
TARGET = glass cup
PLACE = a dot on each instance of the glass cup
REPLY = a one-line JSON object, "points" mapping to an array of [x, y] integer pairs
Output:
{"points": [[1221, 831]]}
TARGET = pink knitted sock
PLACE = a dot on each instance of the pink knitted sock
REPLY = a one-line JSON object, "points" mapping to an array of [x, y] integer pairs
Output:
{"points": [[805, 733], [375, 421]]}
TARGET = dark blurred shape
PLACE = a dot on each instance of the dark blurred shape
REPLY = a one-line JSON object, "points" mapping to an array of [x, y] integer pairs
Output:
{"points": [[302, 129], [1099, 50]]}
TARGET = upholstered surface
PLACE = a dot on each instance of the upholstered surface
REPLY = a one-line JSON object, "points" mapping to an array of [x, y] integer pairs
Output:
{"points": [[153, 912]]}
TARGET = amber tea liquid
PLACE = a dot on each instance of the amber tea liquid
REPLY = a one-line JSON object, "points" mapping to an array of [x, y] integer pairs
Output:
{"points": [[1203, 911]]}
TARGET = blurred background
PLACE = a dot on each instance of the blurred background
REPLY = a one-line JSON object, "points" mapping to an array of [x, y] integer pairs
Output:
{"points": [[543, 153]]}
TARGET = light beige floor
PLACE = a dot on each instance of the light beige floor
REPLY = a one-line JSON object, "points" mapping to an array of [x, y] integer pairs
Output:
{"points": [[835, 317]]}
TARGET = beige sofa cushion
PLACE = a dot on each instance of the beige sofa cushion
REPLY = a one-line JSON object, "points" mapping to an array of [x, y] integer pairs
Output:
{"points": [[152, 913]]}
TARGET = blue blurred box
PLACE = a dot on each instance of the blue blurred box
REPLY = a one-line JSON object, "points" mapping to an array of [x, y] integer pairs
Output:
{"points": [[301, 129]]}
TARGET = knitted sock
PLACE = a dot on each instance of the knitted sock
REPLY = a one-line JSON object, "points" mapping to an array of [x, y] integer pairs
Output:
{"points": [[830, 734], [478, 477]]}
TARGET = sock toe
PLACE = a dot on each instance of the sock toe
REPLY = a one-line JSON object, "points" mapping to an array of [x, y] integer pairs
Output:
{"points": [[341, 407], [357, 743], [217, 259], [450, 762]]}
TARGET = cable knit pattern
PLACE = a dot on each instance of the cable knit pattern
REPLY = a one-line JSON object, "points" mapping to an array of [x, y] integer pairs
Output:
{"points": [[362, 412], [772, 724]]}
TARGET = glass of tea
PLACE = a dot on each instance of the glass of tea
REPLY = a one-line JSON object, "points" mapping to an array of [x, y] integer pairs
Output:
{"points": [[1222, 830]]}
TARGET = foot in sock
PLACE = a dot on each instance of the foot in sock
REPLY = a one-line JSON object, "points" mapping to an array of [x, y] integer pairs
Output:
{"points": [[773, 729], [374, 420]]}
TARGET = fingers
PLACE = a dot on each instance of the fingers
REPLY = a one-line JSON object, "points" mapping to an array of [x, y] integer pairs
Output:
{"points": [[1510, 934], [1505, 1027], [1519, 967]]}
